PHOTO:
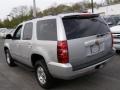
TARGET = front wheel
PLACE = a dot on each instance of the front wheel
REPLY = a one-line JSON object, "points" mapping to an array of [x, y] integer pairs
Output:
{"points": [[9, 59], [43, 76]]}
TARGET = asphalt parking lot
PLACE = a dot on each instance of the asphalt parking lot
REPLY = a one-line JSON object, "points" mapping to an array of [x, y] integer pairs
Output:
{"points": [[19, 78]]}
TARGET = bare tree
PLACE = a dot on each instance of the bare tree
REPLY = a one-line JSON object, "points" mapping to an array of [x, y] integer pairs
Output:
{"points": [[19, 11]]}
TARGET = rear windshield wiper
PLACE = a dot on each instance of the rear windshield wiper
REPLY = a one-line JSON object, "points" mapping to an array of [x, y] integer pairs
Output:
{"points": [[101, 35], [96, 19]]}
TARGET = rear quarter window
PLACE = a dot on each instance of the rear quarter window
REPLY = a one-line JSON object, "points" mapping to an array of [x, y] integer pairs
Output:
{"points": [[84, 27], [47, 30]]}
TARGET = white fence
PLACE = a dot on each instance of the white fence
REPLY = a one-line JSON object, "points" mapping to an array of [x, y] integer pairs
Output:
{"points": [[108, 10]]}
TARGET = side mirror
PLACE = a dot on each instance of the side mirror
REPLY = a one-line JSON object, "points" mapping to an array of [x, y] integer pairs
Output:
{"points": [[9, 36]]}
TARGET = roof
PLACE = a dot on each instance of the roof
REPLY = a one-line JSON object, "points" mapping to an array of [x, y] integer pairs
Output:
{"points": [[55, 16]]}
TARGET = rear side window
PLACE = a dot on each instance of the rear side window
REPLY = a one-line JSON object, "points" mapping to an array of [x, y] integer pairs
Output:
{"points": [[47, 30], [84, 27], [27, 32]]}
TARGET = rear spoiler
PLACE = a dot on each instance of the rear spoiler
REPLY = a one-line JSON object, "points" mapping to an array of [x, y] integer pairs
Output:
{"points": [[81, 16]]}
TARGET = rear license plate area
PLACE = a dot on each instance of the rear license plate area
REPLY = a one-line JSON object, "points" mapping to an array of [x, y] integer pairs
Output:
{"points": [[95, 49]]}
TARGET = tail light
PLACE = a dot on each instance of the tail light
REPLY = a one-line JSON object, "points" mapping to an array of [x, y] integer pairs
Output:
{"points": [[62, 52]]}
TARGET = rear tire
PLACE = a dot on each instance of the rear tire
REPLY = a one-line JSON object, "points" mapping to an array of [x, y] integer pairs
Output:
{"points": [[118, 51], [42, 75], [9, 59]]}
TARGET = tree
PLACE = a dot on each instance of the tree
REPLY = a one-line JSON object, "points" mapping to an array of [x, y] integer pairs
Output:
{"points": [[110, 2], [7, 23], [1, 24], [23, 13], [116, 1], [19, 11]]}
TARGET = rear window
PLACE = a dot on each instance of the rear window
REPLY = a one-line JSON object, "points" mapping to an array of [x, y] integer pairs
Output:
{"points": [[47, 30], [77, 27]]}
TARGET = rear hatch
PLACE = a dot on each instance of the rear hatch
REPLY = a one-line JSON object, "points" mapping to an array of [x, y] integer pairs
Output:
{"points": [[88, 38]]}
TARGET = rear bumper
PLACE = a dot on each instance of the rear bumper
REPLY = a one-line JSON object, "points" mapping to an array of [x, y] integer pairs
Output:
{"points": [[65, 71]]}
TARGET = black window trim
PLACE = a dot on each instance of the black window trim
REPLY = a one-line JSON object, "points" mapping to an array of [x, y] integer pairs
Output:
{"points": [[21, 26]]}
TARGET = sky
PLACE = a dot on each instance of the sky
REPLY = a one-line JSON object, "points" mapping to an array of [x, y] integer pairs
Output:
{"points": [[7, 5]]}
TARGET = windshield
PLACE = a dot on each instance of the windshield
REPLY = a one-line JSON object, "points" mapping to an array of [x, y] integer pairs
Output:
{"points": [[112, 20], [78, 28], [109, 20]]}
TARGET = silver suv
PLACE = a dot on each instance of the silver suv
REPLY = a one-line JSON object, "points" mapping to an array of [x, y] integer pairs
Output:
{"points": [[64, 46]]}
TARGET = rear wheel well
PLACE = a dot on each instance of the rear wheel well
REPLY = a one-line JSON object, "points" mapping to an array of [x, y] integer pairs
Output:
{"points": [[37, 57]]}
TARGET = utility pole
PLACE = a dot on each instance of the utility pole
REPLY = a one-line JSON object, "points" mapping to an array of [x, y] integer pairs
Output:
{"points": [[92, 5], [34, 9]]}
